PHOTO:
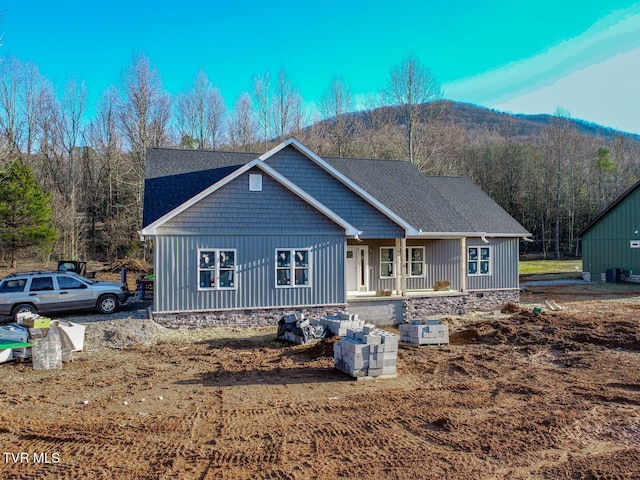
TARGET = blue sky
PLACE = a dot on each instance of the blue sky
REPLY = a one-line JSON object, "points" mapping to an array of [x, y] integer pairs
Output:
{"points": [[523, 57]]}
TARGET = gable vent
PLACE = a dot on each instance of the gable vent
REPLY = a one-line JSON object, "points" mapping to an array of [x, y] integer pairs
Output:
{"points": [[255, 182]]}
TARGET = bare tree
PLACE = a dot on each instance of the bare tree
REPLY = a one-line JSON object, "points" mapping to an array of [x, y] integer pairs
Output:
{"points": [[241, 125], [144, 114], [50, 149], [287, 107], [10, 81], [261, 95], [144, 109], [200, 112], [23, 93], [410, 86], [70, 131], [336, 105], [558, 151], [377, 122], [33, 96], [111, 185], [216, 114]]}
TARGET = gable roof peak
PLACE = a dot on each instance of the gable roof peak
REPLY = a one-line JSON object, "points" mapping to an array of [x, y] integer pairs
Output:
{"points": [[345, 180], [291, 141]]}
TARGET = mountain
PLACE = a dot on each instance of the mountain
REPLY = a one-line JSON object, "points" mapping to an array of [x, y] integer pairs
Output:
{"points": [[474, 117], [480, 121]]}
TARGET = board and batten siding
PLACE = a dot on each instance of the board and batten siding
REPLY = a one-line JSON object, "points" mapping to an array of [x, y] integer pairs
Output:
{"points": [[331, 192], [504, 265], [442, 262], [176, 266], [255, 224], [607, 243]]}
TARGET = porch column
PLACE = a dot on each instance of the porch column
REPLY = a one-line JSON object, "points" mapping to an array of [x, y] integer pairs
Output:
{"points": [[403, 263], [463, 264], [398, 267]]}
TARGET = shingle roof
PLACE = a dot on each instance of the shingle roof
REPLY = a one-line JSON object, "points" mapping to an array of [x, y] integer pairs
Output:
{"points": [[173, 176], [431, 204]]}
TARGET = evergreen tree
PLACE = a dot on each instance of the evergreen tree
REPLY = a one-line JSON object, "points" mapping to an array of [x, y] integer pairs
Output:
{"points": [[25, 211]]}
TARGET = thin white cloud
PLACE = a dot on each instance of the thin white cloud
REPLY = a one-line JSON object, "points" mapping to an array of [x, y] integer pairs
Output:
{"points": [[604, 93], [614, 34]]}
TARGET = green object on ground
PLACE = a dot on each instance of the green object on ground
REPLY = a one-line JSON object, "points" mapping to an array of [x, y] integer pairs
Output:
{"points": [[4, 344]]}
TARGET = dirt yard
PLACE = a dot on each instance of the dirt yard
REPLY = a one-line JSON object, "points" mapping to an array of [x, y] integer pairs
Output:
{"points": [[515, 396]]}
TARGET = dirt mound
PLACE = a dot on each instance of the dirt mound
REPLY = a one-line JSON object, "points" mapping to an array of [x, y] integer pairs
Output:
{"points": [[510, 308], [529, 396], [557, 330], [119, 334], [321, 349], [131, 264]]}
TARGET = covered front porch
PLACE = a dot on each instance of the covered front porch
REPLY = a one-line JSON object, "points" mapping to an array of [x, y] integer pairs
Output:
{"points": [[390, 281], [402, 267]]}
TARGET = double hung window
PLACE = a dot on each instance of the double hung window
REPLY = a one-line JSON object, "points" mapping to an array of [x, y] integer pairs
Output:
{"points": [[479, 260], [292, 267], [414, 262], [216, 269], [386, 262]]}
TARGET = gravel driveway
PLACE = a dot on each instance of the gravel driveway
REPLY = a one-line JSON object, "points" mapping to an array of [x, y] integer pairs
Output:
{"points": [[138, 309]]}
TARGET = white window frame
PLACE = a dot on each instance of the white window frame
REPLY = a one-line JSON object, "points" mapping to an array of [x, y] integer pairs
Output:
{"points": [[478, 260], [391, 262], [291, 268], [409, 254], [216, 268]]}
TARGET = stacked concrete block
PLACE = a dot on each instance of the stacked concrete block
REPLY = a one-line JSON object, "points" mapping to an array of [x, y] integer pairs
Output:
{"points": [[294, 318], [340, 323], [431, 333], [367, 352], [297, 329]]}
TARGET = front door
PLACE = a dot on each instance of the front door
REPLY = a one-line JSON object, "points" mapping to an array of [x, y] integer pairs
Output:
{"points": [[357, 267]]}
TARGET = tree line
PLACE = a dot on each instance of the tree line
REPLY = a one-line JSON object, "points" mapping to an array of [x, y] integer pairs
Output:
{"points": [[91, 170]]}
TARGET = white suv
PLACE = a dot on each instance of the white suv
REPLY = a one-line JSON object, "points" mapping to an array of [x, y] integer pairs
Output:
{"points": [[56, 291]]}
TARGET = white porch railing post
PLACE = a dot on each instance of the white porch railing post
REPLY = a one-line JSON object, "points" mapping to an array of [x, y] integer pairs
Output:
{"points": [[463, 264], [398, 267], [403, 262]]}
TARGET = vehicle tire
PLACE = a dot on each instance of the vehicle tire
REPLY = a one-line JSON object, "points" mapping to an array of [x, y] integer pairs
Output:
{"points": [[23, 308], [108, 303]]}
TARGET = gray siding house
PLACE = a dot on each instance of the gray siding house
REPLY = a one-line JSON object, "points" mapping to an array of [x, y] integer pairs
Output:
{"points": [[242, 238]]}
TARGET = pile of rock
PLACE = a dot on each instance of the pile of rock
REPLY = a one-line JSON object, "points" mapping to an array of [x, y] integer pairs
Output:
{"points": [[433, 333], [297, 329], [367, 352]]}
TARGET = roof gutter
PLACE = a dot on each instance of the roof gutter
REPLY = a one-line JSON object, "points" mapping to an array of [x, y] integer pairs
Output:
{"points": [[483, 235], [422, 234]]}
